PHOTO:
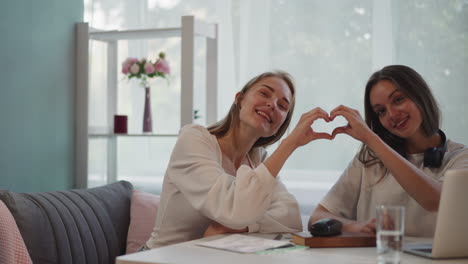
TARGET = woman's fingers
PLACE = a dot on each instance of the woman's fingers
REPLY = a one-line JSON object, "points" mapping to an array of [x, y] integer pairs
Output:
{"points": [[342, 109], [323, 136], [354, 128], [308, 118], [323, 114], [316, 113], [372, 223], [367, 230], [349, 116], [303, 132], [370, 227], [339, 130]]}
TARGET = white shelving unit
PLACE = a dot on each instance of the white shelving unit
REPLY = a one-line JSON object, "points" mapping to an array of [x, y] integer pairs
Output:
{"points": [[190, 30]]}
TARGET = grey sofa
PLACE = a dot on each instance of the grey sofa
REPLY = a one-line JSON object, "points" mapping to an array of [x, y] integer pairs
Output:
{"points": [[75, 226]]}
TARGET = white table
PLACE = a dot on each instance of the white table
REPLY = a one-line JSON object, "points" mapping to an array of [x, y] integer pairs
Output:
{"points": [[188, 252]]}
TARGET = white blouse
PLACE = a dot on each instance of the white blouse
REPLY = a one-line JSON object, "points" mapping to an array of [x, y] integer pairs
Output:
{"points": [[197, 191]]}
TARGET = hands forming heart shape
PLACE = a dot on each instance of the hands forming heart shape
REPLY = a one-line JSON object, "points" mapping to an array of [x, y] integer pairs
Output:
{"points": [[340, 120], [322, 126]]}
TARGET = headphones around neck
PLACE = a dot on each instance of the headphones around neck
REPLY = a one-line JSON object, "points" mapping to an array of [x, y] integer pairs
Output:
{"points": [[433, 156]]}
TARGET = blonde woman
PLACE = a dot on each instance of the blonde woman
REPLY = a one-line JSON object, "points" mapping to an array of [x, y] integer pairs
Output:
{"points": [[220, 180]]}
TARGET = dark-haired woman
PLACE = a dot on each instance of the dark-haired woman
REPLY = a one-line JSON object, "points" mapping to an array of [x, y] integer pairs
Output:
{"points": [[219, 179], [403, 158]]}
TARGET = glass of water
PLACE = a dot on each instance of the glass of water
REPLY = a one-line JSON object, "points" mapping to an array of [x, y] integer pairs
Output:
{"points": [[390, 227]]}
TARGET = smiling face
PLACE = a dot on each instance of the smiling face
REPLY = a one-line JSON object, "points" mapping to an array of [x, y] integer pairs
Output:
{"points": [[396, 111], [265, 105]]}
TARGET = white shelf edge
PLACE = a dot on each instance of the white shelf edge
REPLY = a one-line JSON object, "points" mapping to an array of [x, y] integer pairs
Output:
{"points": [[201, 29], [115, 35], [99, 135]]}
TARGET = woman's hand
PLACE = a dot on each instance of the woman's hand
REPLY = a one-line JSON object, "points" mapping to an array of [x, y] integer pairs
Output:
{"points": [[356, 128], [301, 135], [303, 132], [216, 229], [366, 227]]}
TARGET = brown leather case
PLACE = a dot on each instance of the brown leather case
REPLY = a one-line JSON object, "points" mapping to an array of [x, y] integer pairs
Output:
{"points": [[345, 239]]}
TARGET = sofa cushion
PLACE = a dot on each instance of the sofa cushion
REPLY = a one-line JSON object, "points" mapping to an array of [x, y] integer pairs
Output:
{"points": [[75, 226], [143, 211], [12, 248]]}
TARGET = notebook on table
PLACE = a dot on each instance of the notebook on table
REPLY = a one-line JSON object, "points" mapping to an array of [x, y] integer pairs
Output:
{"points": [[451, 232]]}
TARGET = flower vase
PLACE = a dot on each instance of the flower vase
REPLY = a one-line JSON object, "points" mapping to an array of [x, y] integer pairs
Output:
{"points": [[147, 120]]}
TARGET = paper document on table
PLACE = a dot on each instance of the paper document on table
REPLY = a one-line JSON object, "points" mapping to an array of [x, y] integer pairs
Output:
{"points": [[244, 244]]}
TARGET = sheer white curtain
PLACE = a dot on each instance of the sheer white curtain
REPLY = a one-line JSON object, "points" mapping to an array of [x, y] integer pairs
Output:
{"points": [[330, 47], [253, 37]]}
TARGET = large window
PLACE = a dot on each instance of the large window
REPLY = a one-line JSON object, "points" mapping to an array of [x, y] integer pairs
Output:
{"points": [[330, 47]]}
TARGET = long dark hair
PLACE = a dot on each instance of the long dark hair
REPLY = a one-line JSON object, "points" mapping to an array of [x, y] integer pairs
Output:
{"points": [[231, 121], [413, 85]]}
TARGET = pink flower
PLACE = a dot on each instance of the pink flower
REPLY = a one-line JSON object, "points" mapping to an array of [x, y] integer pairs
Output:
{"points": [[149, 68], [127, 64], [144, 69], [135, 68], [125, 68], [162, 65]]}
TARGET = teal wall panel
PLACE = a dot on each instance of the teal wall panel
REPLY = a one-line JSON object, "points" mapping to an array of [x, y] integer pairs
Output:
{"points": [[37, 69]]}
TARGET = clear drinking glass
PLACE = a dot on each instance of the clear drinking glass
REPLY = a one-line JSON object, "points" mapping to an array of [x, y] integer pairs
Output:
{"points": [[390, 230]]}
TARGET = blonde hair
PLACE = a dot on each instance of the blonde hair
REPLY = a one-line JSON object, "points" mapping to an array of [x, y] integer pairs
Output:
{"points": [[231, 120]]}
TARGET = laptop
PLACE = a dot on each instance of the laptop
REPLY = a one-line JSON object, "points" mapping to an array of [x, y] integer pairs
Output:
{"points": [[451, 232]]}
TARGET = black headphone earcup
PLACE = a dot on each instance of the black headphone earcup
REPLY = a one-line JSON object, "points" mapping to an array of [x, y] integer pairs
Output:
{"points": [[432, 158]]}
